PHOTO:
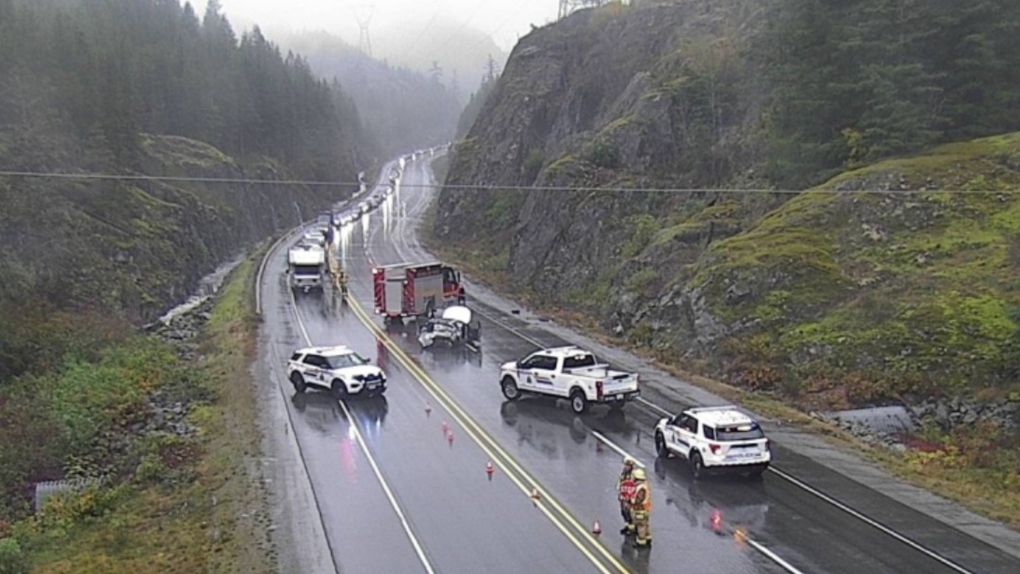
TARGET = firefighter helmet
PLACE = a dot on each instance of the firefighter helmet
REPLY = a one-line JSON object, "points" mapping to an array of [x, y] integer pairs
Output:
{"points": [[639, 474], [629, 461]]}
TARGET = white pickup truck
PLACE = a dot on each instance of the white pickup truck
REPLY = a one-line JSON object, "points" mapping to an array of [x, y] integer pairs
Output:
{"points": [[570, 373]]}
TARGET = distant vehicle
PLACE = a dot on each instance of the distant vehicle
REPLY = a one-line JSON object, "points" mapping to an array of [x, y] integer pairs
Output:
{"points": [[715, 439], [337, 369], [571, 373], [456, 326], [306, 267], [413, 289], [314, 237]]}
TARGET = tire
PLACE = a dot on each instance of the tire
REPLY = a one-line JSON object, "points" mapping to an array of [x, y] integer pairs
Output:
{"points": [[578, 403], [298, 381], [660, 446], [510, 390], [339, 389], [697, 465]]}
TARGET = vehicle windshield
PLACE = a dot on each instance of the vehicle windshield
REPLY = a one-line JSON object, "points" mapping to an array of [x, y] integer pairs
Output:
{"points": [[739, 432], [306, 270], [342, 361], [579, 361]]}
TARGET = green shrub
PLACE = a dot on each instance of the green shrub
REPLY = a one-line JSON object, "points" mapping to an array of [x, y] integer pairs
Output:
{"points": [[12, 559], [644, 229], [64, 510]]}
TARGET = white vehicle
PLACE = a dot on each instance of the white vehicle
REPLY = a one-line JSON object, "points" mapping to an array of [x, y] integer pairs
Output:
{"points": [[457, 325], [306, 267], [715, 438], [571, 373], [337, 369]]}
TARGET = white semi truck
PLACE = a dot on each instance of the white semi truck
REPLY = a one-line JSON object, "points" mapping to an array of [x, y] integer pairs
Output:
{"points": [[306, 268]]}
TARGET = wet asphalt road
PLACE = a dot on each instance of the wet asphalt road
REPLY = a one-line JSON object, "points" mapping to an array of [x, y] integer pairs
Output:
{"points": [[460, 521]]}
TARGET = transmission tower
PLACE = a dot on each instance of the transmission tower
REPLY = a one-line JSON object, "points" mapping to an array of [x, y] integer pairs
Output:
{"points": [[364, 41]]}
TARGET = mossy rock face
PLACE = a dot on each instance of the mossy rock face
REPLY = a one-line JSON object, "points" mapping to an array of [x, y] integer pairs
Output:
{"points": [[138, 247], [881, 295]]}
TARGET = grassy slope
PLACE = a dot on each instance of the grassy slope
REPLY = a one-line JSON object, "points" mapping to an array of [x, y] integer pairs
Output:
{"points": [[864, 297], [209, 524]]}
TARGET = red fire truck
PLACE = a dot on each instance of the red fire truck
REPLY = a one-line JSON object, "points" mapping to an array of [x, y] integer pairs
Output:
{"points": [[414, 289]]}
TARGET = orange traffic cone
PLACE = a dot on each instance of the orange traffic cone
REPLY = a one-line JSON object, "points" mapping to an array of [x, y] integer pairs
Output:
{"points": [[449, 437], [446, 426], [428, 409], [596, 528], [535, 495], [489, 469]]}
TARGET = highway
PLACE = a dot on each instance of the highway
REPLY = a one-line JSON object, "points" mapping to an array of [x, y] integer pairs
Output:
{"points": [[394, 494]]}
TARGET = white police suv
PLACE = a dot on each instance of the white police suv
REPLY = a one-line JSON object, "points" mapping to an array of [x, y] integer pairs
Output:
{"points": [[715, 439], [337, 369]]}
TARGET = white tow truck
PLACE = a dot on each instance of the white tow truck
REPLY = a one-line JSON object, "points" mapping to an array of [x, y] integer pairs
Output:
{"points": [[715, 439], [570, 373]]}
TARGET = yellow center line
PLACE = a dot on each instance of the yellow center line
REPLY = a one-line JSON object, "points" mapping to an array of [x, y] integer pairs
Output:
{"points": [[489, 446]]}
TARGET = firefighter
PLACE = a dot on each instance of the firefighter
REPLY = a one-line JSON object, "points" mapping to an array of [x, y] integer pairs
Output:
{"points": [[625, 487], [641, 507], [342, 280]]}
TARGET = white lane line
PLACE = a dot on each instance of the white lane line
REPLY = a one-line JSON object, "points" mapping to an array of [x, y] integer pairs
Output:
{"points": [[386, 488], [618, 450], [871, 522], [654, 406], [775, 557], [297, 316], [371, 460]]}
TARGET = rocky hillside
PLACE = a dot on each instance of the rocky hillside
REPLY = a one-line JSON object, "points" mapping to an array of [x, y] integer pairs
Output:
{"points": [[834, 298], [139, 246]]}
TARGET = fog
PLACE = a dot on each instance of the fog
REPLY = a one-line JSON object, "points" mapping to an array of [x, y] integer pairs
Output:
{"points": [[405, 20]]}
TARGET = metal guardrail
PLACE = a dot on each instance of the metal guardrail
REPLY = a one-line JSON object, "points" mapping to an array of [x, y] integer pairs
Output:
{"points": [[45, 490]]}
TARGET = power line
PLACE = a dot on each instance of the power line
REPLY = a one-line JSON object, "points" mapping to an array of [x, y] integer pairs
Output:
{"points": [[494, 187]]}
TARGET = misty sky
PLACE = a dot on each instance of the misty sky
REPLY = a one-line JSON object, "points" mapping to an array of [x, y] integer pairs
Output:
{"points": [[504, 20]]}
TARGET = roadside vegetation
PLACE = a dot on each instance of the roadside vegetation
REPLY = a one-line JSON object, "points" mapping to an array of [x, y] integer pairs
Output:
{"points": [[163, 433]]}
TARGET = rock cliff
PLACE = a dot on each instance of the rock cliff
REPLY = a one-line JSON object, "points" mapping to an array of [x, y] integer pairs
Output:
{"points": [[834, 297]]}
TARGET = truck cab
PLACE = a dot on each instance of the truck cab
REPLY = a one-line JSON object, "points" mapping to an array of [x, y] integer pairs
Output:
{"points": [[571, 373]]}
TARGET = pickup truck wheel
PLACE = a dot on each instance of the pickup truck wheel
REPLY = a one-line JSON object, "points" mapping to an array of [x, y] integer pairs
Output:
{"points": [[578, 403], [339, 389], [697, 465], [298, 381], [660, 446], [510, 390]]}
